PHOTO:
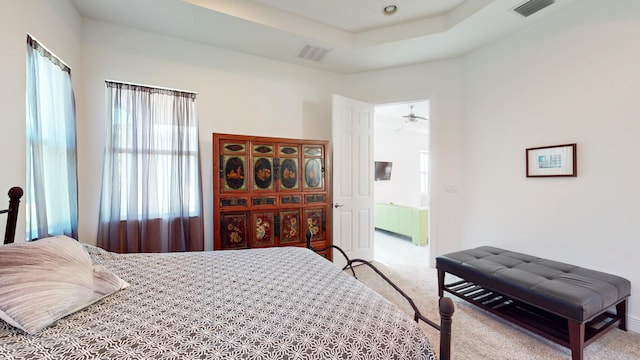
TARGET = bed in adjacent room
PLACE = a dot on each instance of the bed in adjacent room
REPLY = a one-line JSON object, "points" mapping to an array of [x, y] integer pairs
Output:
{"points": [[273, 303]]}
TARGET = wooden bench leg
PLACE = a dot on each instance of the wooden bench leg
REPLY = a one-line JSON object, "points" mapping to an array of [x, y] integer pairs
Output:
{"points": [[621, 313], [440, 283], [576, 339]]}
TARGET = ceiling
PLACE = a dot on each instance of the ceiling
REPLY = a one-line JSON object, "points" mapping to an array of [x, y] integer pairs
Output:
{"points": [[355, 34]]}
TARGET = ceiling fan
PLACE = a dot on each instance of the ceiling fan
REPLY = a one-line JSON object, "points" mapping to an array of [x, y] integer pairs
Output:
{"points": [[411, 118]]}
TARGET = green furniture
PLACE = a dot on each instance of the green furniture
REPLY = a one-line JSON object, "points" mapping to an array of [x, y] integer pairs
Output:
{"points": [[404, 220]]}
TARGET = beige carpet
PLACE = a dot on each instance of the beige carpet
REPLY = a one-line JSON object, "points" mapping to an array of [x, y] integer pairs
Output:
{"points": [[478, 334]]}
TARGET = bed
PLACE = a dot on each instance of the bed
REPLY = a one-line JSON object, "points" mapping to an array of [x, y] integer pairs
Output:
{"points": [[273, 303]]}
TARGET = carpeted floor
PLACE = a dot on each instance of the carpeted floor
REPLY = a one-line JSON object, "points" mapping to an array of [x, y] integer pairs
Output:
{"points": [[478, 334]]}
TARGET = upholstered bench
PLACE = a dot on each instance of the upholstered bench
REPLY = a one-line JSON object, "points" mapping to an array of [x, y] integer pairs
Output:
{"points": [[567, 304]]}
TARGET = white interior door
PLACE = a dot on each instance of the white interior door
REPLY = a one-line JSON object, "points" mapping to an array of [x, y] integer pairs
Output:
{"points": [[353, 196]]}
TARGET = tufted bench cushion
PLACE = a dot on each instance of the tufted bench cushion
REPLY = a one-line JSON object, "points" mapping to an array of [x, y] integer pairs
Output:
{"points": [[569, 291]]}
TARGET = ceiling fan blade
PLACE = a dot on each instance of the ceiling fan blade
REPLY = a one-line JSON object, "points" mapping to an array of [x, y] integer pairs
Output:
{"points": [[403, 125], [413, 117]]}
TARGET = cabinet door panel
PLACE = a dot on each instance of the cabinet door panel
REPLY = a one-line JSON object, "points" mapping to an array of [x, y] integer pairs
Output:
{"points": [[234, 173], [313, 167], [234, 231], [288, 167], [288, 174], [263, 173], [314, 221], [232, 166], [263, 167], [263, 228], [290, 227]]}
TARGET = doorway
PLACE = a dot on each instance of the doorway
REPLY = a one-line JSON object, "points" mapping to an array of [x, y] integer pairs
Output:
{"points": [[401, 190]]}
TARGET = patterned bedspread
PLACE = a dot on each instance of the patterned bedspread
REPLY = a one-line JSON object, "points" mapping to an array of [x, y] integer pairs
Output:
{"points": [[275, 303]]}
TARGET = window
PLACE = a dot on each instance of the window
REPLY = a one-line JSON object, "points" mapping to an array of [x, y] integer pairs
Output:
{"points": [[51, 190], [158, 156], [151, 189]]}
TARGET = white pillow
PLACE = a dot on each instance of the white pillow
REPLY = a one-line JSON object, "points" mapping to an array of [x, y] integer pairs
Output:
{"points": [[45, 280]]}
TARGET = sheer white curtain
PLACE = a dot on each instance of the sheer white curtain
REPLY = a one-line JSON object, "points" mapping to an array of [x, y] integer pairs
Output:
{"points": [[151, 191], [52, 185]]}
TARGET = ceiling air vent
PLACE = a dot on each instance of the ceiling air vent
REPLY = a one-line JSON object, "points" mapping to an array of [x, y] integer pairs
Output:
{"points": [[532, 6], [312, 52]]}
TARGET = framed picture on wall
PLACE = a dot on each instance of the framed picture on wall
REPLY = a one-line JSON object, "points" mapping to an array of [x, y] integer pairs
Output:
{"points": [[549, 161]]}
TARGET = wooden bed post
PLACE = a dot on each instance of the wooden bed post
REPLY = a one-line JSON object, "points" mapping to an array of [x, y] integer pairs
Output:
{"points": [[446, 313], [15, 193]]}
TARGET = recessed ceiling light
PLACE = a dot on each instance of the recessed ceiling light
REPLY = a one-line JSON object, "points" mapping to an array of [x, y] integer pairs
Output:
{"points": [[390, 9]]}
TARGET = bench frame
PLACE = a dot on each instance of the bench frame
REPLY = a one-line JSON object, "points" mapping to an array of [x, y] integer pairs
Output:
{"points": [[569, 333]]}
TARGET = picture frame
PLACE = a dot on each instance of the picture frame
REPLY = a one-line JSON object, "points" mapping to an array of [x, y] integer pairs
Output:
{"points": [[552, 161]]}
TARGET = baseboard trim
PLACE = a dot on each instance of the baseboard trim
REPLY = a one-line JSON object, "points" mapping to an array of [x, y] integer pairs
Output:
{"points": [[633, 324]]}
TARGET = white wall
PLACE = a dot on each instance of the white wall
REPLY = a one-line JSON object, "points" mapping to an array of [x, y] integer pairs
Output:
{"points": [[57, 25], [572, 78], [237, 94], [402, 148]]}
